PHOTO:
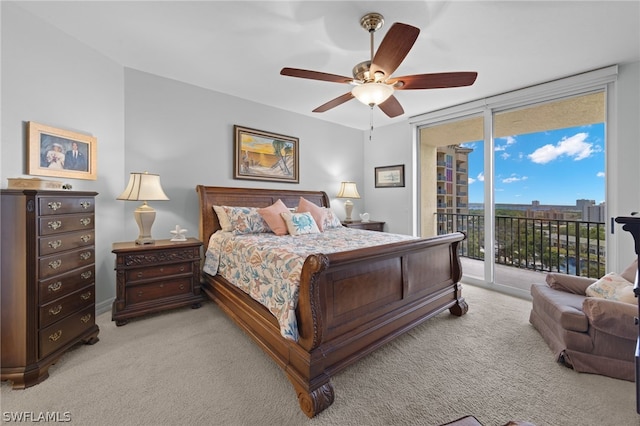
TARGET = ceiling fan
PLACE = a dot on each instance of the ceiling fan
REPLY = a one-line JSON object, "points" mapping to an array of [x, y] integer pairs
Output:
{"points": [[372, 81]]}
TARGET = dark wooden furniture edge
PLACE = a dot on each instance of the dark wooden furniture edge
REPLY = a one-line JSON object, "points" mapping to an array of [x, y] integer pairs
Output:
{"points": [[414, 280]]}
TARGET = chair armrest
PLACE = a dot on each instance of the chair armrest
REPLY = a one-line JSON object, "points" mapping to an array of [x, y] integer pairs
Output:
{"points": [[569, 283], [612, 317]]}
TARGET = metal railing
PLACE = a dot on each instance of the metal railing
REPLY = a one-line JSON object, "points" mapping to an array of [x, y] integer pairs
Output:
{"points": [[547, 245]]}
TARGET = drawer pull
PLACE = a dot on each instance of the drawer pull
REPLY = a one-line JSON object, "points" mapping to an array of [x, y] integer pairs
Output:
{"points": [[181, 286], [85, 319], [140, 294], [85, 238], [55, 336], [85, 204], [56, 310], [55, 224], [53, 287], [55, 244], [85, 221], [86, 296], [85, 255], [55, 205], [86, 275], [182, 269], [140, 274], [55, 264]]}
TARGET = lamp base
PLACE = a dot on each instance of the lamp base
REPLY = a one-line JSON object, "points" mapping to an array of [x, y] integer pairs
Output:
{"points": [[348, 206], [145, 216]]}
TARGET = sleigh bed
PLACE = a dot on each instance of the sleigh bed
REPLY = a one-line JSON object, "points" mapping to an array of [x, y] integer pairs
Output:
{"points": [[349, 303]]}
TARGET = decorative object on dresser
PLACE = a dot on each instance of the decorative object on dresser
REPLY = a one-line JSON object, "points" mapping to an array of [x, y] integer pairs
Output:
{"points": [[348, 190], [389, 176], [179, 234], [260, 155], [48, 280], [144, 187], [371, 225], [152, 278], [61, 153]]}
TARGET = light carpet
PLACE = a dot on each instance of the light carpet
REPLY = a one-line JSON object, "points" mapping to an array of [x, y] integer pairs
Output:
{"points": [[197, 367]]}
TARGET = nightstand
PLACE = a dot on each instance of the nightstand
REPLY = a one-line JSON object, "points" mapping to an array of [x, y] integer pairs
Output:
{"points": [[372, 225], [156, 277]]}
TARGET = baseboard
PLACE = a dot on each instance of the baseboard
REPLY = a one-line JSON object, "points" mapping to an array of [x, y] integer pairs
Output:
{"points": [[105, 306]]}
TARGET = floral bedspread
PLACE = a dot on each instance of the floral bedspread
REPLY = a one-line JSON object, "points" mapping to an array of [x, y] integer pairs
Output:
{"points": [[268, 267]]}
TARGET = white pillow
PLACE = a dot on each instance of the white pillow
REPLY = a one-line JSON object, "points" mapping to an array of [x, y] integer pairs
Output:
{"points": [[300, 223], [223, 218], [613, 287]]}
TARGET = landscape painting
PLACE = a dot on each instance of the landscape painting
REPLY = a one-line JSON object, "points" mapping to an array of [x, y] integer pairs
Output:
{"points": [[261, 155]]}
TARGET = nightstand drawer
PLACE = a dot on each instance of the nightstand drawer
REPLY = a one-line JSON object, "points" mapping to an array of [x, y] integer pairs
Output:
{"points": [[58, 309], [54, 288], [58, 224], [158, 290], [60, 263], [58, 243], [62, 332], [140, 274], [66, 205]]}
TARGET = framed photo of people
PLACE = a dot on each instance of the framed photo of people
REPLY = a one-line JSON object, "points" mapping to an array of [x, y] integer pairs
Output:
{"points": [[60, 153]]}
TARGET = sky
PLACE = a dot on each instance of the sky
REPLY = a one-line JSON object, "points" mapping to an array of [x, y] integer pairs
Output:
{"points": [[554, 167]]}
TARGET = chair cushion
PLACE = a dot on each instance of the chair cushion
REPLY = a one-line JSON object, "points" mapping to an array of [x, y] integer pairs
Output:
{"points": [[612, 287], [564, 308]]}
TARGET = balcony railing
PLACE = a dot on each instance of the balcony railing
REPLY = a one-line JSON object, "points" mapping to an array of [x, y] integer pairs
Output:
{"points": [[545, 245]]}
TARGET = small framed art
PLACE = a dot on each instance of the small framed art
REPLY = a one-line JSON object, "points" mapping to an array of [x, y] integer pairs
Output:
{"points": [[389, 176], [260, 155], [60, 153]]}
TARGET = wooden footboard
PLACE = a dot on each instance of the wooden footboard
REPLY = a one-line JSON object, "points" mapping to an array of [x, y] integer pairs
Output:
{"points": [[350, 303]]}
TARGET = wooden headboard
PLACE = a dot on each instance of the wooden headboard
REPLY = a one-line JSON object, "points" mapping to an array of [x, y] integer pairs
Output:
{"points": [[246, 197]]}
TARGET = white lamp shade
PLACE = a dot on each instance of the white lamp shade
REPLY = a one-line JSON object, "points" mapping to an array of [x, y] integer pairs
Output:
{"points": [[372, 93], [143, 187], [348, 190]]}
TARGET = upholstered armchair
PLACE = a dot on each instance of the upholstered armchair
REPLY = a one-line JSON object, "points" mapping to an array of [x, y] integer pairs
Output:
{"points": [[589, 334]]}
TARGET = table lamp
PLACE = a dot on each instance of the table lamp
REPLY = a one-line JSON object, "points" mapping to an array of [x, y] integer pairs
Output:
{"points": [[348, 190], [144, 187]]}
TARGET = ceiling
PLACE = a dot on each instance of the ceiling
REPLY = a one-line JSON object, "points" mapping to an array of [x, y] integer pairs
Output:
{"points": [[239, 47]]}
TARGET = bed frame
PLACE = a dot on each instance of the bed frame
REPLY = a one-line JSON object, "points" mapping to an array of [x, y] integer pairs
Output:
{"points": [[350, 303]]}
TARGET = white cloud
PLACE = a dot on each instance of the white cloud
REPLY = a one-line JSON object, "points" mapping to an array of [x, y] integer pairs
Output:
{"points": [[505, 155], [509, 140], [574, 146], [513, 178], [480, 177], [600, 174], [471, 180]]}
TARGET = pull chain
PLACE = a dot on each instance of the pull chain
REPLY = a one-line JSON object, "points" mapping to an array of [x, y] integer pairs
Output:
{"points": [[371, 124]]}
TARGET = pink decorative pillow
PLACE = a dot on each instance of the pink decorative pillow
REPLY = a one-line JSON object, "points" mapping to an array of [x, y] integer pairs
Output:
{"points": [[317, 212], [274, 219], [613, 287]]}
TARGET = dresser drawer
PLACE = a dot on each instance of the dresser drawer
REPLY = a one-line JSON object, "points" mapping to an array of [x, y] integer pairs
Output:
{"points": [[158, 290], [65, 205], [54, 288], [58, 243], [139, 274], [66, 330], [63, 307], [58, 224], [63, 262]]}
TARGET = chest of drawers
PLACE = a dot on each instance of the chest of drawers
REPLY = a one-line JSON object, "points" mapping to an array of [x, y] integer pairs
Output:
{"points": [[155, 277], [48, 280]]}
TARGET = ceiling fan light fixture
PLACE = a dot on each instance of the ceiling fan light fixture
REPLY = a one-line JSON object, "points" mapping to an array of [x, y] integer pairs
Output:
{"points": [[372, 93]]}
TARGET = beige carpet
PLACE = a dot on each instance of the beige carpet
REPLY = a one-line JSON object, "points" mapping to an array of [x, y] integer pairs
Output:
{"points": [[196, 367]]}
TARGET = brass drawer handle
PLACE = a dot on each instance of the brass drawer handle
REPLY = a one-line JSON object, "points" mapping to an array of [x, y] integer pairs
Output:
{"points": [[55, 336], [140, 274], [85, 319], [55, 224], [85, 221], [55, 244], [86, 275], [85, 238], [55, 286], [85, 204], [182, 268], [56, 310], [86, 296], [140, 293], [85, 255], [54, 205], [55, 264], [181, 286]]}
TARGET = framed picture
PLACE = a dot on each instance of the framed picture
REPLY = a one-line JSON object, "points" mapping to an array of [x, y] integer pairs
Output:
{"points": [[60, 153], [263, 155], [389, 176]]}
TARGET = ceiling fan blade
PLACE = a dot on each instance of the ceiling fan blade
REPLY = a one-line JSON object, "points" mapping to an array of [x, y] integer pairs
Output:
{"points": [[334, 102], [391, 107], [315, 75], [394, 48], [434, 81]]}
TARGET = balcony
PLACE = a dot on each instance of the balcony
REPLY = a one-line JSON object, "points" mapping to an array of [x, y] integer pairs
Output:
{"points": [[533, 244]]}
